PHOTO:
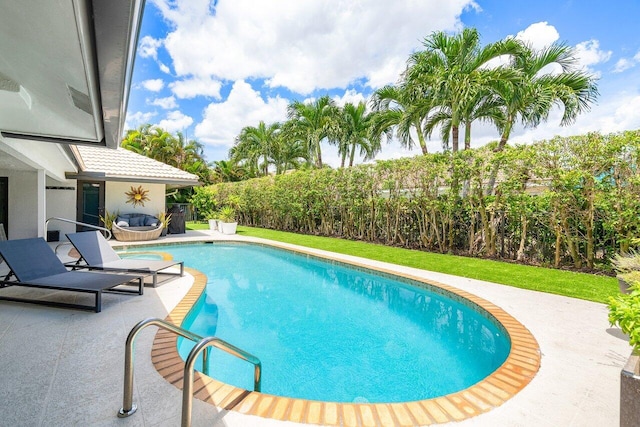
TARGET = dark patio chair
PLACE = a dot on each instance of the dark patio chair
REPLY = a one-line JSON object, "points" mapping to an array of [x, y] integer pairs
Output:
{"points": [[33, 264], [97, 254]]}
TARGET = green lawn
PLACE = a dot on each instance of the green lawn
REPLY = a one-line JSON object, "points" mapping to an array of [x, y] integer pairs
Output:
{"points": [[578, 285]]}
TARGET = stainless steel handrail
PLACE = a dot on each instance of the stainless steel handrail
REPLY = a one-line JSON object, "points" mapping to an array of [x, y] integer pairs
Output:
{"points": [[70, 221], [129, 408], [205, 344]]}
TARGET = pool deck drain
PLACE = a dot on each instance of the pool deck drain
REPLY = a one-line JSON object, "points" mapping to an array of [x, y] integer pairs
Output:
{"points": [[520, 367]]}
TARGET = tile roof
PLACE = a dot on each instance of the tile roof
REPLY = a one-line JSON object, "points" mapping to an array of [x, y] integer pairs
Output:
{"points": [[122, 164]]}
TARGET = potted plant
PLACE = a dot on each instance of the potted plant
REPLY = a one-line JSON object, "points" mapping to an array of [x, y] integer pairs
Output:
{"points": [[211, 217], [623, 265], [164, 219], [228, 224], [108, 219], [624, 311]]}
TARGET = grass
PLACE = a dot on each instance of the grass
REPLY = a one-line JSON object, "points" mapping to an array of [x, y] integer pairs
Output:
{"points": [[577, 285]]}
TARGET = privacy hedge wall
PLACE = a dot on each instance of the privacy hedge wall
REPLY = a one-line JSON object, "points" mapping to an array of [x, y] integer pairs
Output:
{"points": [[566, 201]]}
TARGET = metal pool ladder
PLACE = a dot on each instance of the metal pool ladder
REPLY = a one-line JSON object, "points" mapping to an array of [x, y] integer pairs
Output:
{"points": [[129, 408]]}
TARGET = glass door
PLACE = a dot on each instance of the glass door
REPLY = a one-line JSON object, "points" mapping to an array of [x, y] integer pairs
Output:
{"points": [[90, 203]]}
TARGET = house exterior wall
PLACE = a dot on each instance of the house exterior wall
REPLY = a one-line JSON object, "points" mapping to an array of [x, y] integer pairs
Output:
{"points": [[23, 203], [61, 203], [115, 199]]}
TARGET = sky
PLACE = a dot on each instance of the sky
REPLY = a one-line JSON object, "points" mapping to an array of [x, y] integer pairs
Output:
{"points": [[210, 68]]}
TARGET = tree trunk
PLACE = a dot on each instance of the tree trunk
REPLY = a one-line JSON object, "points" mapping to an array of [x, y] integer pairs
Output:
{"points": [[523, 238], [421, 140], [454, 138], [353, 154], [558, 246], [467, 135], [505, 134], [318, 155]]}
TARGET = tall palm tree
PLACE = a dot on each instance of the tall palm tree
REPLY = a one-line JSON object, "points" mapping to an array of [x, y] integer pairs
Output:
{"points": [[355, 132], [485, 107], [136, 140], [398, 108], [531, 98], [290, 150], [315, 122], [182, 153], [255, 144], [453, 70], [228, 171]]}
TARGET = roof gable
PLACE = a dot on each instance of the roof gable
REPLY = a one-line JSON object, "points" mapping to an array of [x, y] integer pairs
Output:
{"points": [[106, 164]]}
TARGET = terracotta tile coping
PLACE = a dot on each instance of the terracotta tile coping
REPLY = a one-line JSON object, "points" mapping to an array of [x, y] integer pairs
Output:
{"points": [[513, 375]]}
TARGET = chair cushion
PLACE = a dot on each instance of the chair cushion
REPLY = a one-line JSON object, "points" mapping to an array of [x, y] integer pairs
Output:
{"points": [[150, 221], [136, 221], [122, 222]]}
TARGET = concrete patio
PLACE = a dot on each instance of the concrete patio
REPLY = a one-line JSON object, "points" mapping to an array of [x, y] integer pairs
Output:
{"points": [[65, 367]]}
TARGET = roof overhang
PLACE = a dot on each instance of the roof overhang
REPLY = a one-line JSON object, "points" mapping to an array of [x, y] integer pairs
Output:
{"points": [[65, 69], [101, 176]]}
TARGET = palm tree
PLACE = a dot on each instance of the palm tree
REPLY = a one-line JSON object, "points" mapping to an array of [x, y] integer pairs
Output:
{"points": [[356, 132], [531, 98], [453, 72], [228, 171], [181, 153], [255, 144], [397, 108], [314, 122], [136, 140], [289, 151], [485, 107]]}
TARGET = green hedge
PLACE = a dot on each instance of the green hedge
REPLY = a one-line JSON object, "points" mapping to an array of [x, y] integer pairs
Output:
{"points": [[567, 201]]}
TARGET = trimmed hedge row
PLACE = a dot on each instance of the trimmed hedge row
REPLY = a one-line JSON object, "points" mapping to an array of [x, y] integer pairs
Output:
{"points": [[566, 201]]}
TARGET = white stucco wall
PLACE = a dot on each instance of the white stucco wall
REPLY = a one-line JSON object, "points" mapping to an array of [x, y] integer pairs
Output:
{"points": [[115, 199], [61, 203], [23, 203]]}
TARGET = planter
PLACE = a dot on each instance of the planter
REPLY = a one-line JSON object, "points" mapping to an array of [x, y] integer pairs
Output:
{"points": [[630, 393], [624, 286], [228, 227], [213, 224]]}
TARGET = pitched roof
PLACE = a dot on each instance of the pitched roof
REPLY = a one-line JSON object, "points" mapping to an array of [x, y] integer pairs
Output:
{"points": [[104, 164]]}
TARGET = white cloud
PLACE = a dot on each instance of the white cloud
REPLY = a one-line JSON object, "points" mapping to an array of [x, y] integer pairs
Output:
{"points": [[148, 47], [244, 107], [153, 85], [302, 46], [539, 35], [138, 118], [589, 54], [351, 96], [164, 68], [623, 64], [167, 103], [175, 121], [196, 86]]}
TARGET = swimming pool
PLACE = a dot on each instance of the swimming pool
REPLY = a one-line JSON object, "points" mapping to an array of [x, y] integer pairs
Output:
{"points": [[325, 331], [517, 371]]}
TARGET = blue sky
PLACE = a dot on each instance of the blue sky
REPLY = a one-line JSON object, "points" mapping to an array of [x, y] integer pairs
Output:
{"points": [[210, 68]]}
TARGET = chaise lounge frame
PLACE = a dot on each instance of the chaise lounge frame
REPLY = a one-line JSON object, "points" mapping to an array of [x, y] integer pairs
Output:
{"points": [[97, 254], [33, 264]]}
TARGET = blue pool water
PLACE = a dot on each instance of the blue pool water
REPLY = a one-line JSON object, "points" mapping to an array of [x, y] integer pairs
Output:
{"points": [[324, 331]]}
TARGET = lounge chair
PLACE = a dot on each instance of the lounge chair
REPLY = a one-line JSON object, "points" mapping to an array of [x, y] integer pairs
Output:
{"points": [[34, 264], [97, 254]]}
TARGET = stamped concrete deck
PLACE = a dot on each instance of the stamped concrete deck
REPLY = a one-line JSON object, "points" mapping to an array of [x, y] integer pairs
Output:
{"points": [[65, 367]]}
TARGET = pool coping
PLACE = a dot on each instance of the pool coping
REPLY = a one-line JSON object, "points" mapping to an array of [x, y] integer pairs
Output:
{"points": [[520, 367]]}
